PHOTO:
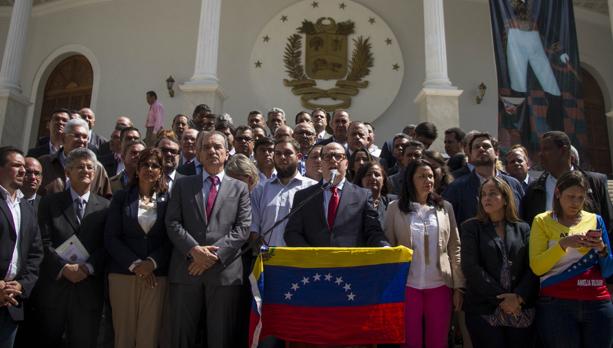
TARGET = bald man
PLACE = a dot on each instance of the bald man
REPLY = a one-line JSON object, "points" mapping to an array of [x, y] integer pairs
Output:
{"points": [[94, 139]]}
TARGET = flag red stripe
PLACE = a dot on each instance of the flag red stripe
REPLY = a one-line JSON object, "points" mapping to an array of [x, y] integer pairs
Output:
{"points": [[372, 324]]}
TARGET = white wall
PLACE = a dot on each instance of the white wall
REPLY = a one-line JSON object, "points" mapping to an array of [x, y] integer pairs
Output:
{"points": [[138, 43]]}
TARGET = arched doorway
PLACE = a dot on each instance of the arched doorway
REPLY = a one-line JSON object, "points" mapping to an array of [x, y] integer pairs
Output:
{"points": [[598, 150], [69, 86]]}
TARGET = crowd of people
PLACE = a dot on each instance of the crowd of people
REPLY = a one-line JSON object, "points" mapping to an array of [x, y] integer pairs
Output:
{"points": [[148, 241]]}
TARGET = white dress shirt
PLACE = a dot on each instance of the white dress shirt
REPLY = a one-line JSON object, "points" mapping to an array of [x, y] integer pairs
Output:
{"points": [[424, 272], [15, 209]]}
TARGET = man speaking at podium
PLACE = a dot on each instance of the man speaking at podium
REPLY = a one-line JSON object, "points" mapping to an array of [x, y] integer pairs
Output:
{"points": [[340, 216]]}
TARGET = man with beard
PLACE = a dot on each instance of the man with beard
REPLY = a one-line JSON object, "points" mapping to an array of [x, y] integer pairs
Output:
{"points": [[272, 200], [463, 193], [170, 154]]}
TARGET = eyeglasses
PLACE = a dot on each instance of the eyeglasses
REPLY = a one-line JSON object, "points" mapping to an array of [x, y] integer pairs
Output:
{"points": [[336, 156], [169, 150], [244, 139]]}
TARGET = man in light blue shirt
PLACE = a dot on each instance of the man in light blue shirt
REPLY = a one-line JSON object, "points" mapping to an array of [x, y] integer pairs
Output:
{"points": [[272, 200]]}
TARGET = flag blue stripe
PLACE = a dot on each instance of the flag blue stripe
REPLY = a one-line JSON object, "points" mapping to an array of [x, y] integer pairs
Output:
{"points": [[342, 286]]}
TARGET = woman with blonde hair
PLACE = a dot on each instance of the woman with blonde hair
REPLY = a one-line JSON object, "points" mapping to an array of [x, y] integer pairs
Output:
{"points": [[240, 167]]}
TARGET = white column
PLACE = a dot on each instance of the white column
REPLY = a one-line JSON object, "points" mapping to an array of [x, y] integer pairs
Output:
{"points": [[207, 49], [436, 50], [15, 45], [611, 14]]}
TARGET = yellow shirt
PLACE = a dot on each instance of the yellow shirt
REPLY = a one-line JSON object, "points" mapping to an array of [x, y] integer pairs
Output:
{"points": [[545, 252]]}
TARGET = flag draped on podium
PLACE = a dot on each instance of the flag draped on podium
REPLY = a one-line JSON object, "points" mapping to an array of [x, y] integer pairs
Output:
{"points": [[330, 295]]}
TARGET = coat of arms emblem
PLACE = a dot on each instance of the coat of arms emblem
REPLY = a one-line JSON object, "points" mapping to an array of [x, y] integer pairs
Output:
{"points": [[326, 58]]}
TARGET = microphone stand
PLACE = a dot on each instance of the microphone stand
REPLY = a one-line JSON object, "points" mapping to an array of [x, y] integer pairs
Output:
{"points": [[260, 240]]}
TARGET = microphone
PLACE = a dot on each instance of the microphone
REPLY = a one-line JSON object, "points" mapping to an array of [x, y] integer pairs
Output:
{"points": [[333, 174]]}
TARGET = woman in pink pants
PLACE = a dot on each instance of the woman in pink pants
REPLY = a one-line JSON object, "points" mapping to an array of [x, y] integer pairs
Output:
{"points": [[424, 222]]}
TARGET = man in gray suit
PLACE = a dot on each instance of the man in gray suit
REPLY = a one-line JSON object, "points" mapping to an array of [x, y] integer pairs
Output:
{"points": [[342, 216], [207, 219]]}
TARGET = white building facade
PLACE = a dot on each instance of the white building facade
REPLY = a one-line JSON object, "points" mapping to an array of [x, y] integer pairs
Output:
{"points": [[430, 56]]}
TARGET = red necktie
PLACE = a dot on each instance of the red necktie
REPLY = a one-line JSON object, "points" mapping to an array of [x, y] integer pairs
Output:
{"points": [[210, 201], [332, 207]]}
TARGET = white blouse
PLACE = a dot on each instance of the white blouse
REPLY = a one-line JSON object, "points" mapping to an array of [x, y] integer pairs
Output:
{"points": [[147, 213], [424, 273]]}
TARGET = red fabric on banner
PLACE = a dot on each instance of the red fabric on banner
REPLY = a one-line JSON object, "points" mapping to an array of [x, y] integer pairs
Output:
{"points": [[374, 324]]}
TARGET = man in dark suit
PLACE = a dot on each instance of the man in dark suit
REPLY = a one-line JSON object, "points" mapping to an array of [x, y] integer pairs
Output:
{"points": [[95, 139], [463, 193], [556, 160], [20, 245], [411, 151], [32, 181], [51, 144], [54, 177], [340, 127], [188, 164], [208, 219], [518, 166], [69, 295], [342, 216], [109, 154], [170, 154]]}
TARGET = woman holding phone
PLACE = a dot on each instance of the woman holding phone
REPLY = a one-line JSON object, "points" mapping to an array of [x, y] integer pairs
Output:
{"points": [[570, 251]]}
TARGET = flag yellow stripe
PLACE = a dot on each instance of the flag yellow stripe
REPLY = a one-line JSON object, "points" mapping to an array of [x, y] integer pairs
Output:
{"points": [[335, 257]]}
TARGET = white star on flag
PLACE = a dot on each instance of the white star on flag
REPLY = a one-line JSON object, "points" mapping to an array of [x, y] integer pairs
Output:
{"points": [[295, 286], [347, 287], [351, 297], [339, 280], [305, 280], [317, 277], [328, 277], [288, 295]]}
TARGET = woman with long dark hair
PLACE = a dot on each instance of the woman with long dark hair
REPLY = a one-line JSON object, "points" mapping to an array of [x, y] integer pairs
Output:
{"points": [[424, 222], [139, 249], [373, 177]]}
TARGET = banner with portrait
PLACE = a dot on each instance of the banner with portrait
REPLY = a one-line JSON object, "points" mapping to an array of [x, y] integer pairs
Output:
{"points": [[539, 84]]}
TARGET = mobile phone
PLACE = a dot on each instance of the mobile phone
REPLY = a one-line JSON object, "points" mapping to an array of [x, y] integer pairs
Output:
{"points": [[594, 234]]}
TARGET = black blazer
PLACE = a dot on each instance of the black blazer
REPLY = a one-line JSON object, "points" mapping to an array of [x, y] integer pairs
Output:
{"points": [[356, 224], [97, 140], [58, 222], [482, 260], [31, 250], [39, 151], [597, 198], [187, 169], [110, 164], [126, 241]]}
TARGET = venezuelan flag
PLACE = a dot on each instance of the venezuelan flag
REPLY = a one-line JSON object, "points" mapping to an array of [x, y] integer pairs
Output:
{"points": [[341, 296]]}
